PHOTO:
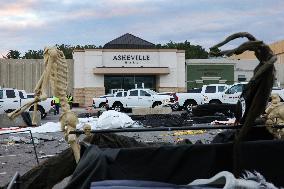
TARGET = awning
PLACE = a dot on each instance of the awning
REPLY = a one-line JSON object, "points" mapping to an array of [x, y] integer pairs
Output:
{"points": [[131, 70]]}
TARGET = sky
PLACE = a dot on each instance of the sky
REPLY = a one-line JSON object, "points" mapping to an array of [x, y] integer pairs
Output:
{"points": [[33, 24]]}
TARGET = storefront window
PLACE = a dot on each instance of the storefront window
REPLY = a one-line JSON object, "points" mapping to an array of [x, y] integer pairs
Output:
{"points": [[128, 82]]}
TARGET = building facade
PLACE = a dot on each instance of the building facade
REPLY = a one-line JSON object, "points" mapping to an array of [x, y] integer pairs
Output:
{"points": [[129, 61], [218, 70], [278, 50], [125, 63]]}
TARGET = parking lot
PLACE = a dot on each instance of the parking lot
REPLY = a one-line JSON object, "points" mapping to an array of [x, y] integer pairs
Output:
{"points": [[18, 154]]}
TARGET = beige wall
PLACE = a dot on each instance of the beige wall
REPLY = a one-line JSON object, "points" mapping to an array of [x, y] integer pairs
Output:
{"points": [[84, 96], [25, 73], [87, 60], [172, 89], [278, 50], [90, 65]]}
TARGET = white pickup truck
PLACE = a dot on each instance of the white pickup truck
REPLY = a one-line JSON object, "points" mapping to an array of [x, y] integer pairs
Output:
{"points": [[138, 98], [188, 100], [11, 99], [213, 93], [100, 102], [200, 96], [232, 94]]}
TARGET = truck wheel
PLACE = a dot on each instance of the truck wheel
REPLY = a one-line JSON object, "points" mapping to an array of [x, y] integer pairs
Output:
{"points": [[118, 107], [188, 105], [9, 111], [156, 104], [43, 115], [102, 105], [175, 107], [41, 110], [215, 102]]}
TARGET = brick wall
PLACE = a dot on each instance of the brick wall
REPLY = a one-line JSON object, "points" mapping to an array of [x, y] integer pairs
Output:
{"points": [[171, 89], [84, 96]]}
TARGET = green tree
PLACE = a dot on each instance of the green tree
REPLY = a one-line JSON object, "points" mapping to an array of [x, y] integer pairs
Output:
{"points": [[67, 50], [32, 54], [191, 51], [90, 47], [196, 51], [13, 54], [214, 51], [85, 47]]}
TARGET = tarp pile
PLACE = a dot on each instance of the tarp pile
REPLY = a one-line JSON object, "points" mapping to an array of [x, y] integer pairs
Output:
{"points": [[108, 120]]}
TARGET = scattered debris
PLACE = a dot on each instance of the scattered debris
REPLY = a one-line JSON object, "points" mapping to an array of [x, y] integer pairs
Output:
{"points": [[11, 155], [41, 152], [112, 120], [188, 132], [230, 121], [50, 141], [17, 139], [163, 120], [45, 156], [43, 137]]}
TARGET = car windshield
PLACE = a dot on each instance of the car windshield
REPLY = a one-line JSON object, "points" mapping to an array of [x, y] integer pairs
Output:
{"points": [[235, 89]]}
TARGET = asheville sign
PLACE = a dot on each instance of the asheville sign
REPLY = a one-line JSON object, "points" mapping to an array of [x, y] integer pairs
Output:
{"points": [[131, 59]]}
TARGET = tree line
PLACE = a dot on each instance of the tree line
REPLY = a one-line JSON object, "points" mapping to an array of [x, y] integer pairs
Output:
{"points": [[38, 54], [191, 51]]}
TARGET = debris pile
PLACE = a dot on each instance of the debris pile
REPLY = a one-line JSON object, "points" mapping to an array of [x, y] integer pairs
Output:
{"points": [[229, 121], [164, 120]]}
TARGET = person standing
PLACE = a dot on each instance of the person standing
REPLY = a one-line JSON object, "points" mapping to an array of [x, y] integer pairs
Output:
{"points": [[56, 104], [70, 100]]}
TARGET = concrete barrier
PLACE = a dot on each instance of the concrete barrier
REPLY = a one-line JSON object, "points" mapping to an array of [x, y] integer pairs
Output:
{"points": [[6, 122]]}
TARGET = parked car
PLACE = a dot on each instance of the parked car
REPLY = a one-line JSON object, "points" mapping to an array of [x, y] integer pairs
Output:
{"points": [[188, 100], [213, 93], [195, 90], [12, 99], [100, 102], [205, 94], [232, 94], [138, 98], [30, 95]]}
